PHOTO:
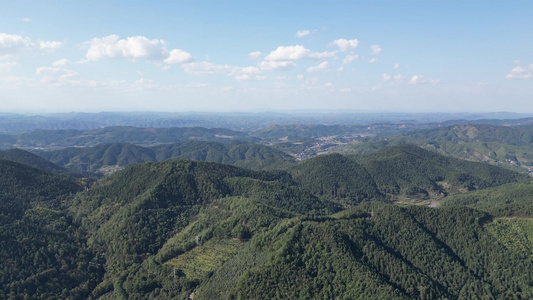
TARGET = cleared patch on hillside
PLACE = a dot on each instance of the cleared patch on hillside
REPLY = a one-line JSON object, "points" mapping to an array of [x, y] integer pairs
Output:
{"points": [[514, 233], [207, 257]]}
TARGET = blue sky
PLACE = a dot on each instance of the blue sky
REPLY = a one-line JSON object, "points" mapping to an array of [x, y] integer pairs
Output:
{"points": [[408, 56]]}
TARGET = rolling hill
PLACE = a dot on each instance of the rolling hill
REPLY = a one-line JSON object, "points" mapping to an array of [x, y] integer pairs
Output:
{"points": [[110, 157], [320, 230]]}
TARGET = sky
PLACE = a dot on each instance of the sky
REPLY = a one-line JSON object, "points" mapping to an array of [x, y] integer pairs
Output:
{"points": [[369, 56]]}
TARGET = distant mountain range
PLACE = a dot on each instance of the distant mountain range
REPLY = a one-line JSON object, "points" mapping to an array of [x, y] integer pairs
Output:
{"points": [[17, 123]]}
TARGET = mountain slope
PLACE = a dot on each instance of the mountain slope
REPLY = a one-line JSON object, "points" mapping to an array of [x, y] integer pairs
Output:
{"points": [[31, 159], [137, 216], [109, 157], [51, 139], [96, 159], [43, 254], [410, 171], [336, 176], [509, 200], [377, 252]]}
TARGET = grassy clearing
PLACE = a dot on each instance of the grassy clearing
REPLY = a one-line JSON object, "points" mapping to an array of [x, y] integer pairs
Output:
{"points": [[206, 258], [514, 233]]}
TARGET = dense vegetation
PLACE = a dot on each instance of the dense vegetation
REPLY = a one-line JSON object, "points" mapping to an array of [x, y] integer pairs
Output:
{"points": [[43, 254], [31, 159], [322, 228], [511, 147], [513, 199], [118, 155]]}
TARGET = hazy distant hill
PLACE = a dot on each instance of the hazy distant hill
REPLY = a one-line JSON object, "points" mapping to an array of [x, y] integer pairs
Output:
{"points": [[511, 147], [401, 172], [249, 155], [410, 171], [105, 156], [92, 159], [31, 159], [298, 132], [516, 135], [16, 123]]}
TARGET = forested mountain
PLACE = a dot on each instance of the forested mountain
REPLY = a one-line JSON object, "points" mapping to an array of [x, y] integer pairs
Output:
{"points": [[414, 172], [516, 135], [109, 157], [375, 252], [336, 176], [396, 173], [98, 158], [509, 200], [322, 229], [254, 156], [43, 253], [149, 214], [507, 146], [141, 136], [31, 159]]}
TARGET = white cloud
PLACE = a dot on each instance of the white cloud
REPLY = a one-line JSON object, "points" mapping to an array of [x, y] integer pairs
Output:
{"points": [[50, 45], [227, 88], [300, 76], [246, 73], [375, 49], [204, 67], [276, 65], [148, 84], [62, 62], [296, 53], [302, 33], [198, 84], [288, 53], [373, 60], [345, 44], [26, 20], [7, 66], [396, 66], [136, 47], [345, 90], [321, 67], [417, 79], [11, 44], [520, 72], [340, 69], [328, 84], [282, 78], [321, 55], [239, 73], [249, 77], [56, 76], [311, 81], [349, 58], [178, 56], [255, 54], [401, 79]]}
